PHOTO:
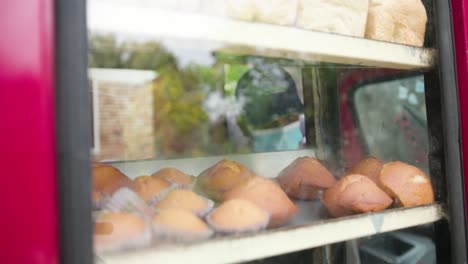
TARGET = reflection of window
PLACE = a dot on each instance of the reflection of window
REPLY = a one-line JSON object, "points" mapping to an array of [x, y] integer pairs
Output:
{"points": [[392, 119]]}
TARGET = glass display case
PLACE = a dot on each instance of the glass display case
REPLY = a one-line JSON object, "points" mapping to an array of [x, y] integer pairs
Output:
{"points": [[283, 131]]}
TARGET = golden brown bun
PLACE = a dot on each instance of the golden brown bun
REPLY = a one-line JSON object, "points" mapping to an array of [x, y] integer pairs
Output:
{"points": [[305, 178], [184, 200], [236, 216], [148, 187], [180, 220], [117, 228], [97, 197], [355, 193], [267, 195], [400, 21], [369, 167], [173, 175], [222, 177], [103, 228], [107, 179], [406, 183]]}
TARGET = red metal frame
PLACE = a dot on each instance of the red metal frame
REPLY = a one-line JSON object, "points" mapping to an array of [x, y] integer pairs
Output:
{"points": [[29, 224], [348, 80], [460, 27]]}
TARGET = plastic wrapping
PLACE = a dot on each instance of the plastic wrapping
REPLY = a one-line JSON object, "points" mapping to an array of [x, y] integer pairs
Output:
{"points": [[125, 200]]}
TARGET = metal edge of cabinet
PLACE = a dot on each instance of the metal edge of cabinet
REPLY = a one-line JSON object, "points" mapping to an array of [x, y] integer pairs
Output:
{"points": [[28, 225], [451, 124], [73, 133]]}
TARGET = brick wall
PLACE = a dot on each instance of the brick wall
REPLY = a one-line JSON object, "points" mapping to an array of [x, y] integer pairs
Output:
{"points": [[125, 121]]}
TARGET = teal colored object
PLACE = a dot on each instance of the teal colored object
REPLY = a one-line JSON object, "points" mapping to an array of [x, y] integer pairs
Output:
{"points": [[283, 138]]}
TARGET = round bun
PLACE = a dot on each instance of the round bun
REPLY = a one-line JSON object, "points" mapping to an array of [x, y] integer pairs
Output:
{"points": [[369, 167], [267, 195], [408, 184], [305, 178], [173, 175], [355, 194], [238, 216], [117, 230], [98, 200], [185, 200], [177, 224], [222, 177], [149, 188], [107, 179]]}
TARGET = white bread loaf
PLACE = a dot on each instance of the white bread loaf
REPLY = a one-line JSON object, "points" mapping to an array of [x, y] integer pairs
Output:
{"points": [[347, 17], [279, 12], [400, 21], [214, 7], [241, 9]]}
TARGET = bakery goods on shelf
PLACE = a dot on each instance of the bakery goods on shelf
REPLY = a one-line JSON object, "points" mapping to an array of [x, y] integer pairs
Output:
{"points": [[185, 200], [400, 21], [150, 188], [179, 225], [118, 230], [305, 178], [267, 195], [174, 176], [369, 167], [238, 216], [108, 179], [222, 177], [354, 194], [407, 184], [335, 16]]}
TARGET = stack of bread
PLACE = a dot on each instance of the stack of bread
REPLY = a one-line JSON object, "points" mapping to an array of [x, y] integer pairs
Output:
{"points": [[399, 21]]}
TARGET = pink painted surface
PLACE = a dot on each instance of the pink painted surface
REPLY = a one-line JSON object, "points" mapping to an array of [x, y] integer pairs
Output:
{"points": [[28, 222], [460, 27]]}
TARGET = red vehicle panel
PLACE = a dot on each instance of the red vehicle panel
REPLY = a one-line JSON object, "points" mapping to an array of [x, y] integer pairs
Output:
{"points": [[28, 224]]}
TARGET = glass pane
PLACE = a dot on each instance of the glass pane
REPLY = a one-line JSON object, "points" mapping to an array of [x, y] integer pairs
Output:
{"points": [[215, 126]]}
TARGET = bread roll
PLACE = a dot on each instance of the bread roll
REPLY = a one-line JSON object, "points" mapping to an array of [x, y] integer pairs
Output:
{"points": [[267, 195], [241, 9], [336, 16], [185, 200], [305, 178], [279, 12], [353, 194], [179, 225], [99, 200], [173, 175], [238, 216], [116, 231], [222, 177], [149, 188], [400, 21], [369, 167], [408, 184], [107, 179]]}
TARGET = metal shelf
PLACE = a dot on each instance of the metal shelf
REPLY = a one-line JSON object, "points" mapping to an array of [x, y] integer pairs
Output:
{"points": [[289, 239], [256, 39]]}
